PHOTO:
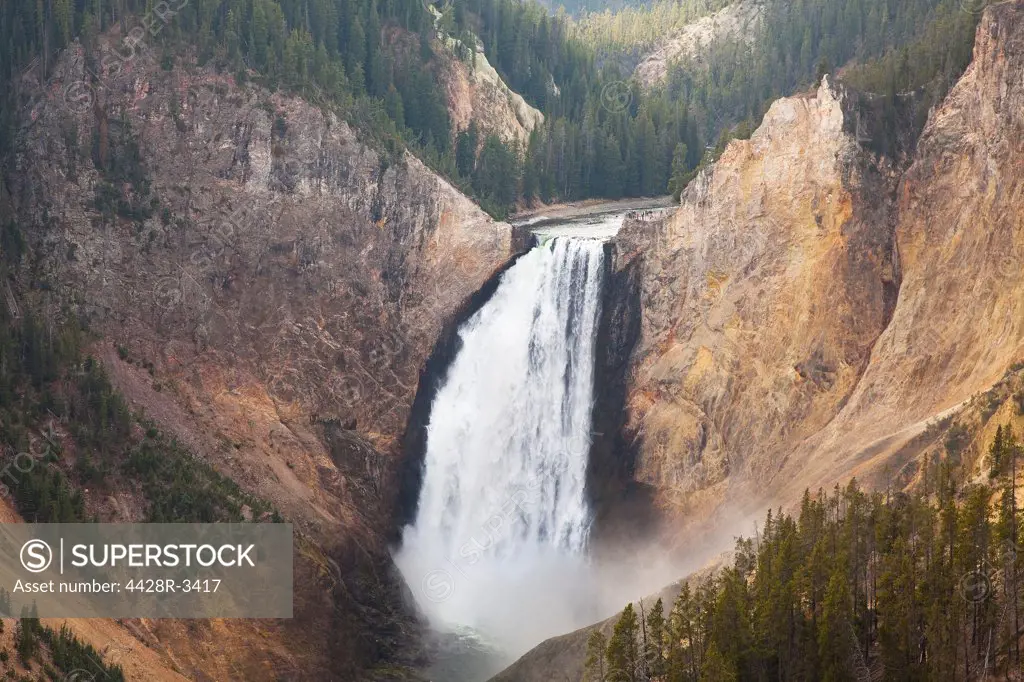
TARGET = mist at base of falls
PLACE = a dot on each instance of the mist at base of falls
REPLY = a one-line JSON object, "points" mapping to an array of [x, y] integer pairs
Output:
{"points": [[499, 543], [498, 556]]}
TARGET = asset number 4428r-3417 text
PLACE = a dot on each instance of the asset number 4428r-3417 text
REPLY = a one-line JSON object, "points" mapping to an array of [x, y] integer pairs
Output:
{"points": [[161, 585]]}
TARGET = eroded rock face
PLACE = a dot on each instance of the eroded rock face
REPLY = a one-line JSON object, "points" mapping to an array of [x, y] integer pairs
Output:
{"points": [[476, 92], [762, 296], [279, 243], [959, 323], [808, 310], [286, 279]]}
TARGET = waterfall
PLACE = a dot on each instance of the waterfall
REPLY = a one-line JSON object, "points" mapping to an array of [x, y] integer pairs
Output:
{"points": [[498, 543]]}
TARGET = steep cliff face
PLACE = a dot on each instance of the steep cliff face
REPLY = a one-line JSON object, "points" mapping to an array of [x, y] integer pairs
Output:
{"points": [[959, 323], [275, 233], [811, 313], [477, 93], [762, 297], [809, 308], [282, 281]]}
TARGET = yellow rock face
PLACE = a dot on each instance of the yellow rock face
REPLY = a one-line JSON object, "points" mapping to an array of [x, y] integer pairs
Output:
{"points": [[762, 296], [806, 311], [959, 322]]}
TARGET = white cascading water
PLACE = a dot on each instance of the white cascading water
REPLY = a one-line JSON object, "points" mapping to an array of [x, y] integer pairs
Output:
{"points": [[498, 543]]}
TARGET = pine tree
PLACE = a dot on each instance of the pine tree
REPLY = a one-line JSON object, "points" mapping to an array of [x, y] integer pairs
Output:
{"points": [[465, 150], [594, 666], [654, 652], [680, 171], [26, 637], [622, 655], [995, 453], [730, 626], [834, 635], [717, 668]]}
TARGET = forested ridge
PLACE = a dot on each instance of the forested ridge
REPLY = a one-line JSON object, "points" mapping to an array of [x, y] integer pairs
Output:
{"points": [[604, 136], [922, 585]]}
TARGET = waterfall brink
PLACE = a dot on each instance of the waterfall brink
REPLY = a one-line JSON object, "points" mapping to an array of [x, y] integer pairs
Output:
{"points": [[498, 544]]}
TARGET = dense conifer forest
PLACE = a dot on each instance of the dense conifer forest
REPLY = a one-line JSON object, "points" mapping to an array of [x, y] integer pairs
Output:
{"points": [[910, 586], [604, 136]]}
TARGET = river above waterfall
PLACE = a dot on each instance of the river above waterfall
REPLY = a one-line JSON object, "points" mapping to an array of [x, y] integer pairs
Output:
{"points": [[592, 220]]}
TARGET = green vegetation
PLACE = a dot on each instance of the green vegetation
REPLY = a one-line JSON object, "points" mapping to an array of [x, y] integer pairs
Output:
{"points": [[927, 66], [52, 396], [67, 653], [604, 136], [331, 50], [182, 489], [922, 586], [377, 62], [636, 29]]}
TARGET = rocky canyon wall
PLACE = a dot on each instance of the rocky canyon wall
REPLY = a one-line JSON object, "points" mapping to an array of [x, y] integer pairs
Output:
{"points": [[268, 284], [810, 308], [762, 297], [959, 323], [815, 311]]}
